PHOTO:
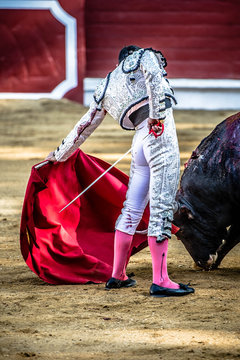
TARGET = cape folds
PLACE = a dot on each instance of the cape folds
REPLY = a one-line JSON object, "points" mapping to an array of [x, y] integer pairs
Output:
{"points": [[76, 245]]}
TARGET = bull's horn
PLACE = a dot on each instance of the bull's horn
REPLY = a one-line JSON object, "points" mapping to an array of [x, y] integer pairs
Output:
{"points": [[221, 245]]}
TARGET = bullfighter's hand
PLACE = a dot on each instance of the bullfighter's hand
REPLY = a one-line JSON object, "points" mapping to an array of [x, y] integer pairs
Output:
{"points": [[152, 124], [51, 157]]}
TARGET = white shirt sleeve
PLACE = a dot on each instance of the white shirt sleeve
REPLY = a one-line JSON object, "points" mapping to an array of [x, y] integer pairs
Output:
{"points": [[81, 131]]}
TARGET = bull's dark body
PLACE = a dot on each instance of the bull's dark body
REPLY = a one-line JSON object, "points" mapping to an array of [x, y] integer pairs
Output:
{"points": [[209, 194]]}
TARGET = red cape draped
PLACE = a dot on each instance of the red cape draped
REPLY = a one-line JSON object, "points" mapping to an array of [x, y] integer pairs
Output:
{"points": [[76, 245]]}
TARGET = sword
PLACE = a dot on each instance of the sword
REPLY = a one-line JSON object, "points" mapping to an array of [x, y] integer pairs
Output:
{"points": [[94, 182], [106, 171]]}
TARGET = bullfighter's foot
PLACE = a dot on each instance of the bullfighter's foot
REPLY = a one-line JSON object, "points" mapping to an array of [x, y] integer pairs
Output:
{"points": [[114, 283], [159, 291]]}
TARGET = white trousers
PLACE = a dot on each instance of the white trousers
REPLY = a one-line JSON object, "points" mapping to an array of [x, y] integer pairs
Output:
{"points": [[154, 177]]}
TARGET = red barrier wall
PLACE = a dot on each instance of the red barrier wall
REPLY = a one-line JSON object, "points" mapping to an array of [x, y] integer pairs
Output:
{"points": [[33, 49], [200, 39]]}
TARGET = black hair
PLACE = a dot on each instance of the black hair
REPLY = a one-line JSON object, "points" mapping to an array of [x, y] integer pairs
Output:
{"points": [[126, 51]]}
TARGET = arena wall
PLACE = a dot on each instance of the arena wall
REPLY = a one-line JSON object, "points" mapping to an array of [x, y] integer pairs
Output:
{"points": [[63, 48]]}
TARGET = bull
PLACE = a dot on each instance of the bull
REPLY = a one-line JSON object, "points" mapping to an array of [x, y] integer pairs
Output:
{"points": [[208, 199]]}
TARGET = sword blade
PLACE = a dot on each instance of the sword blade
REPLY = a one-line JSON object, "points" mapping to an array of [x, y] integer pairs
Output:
{"points": [[94, 182], [105, 172]]}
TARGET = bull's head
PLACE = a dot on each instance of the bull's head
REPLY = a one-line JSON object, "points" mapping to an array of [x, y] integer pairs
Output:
{"points": [[200, 237]]}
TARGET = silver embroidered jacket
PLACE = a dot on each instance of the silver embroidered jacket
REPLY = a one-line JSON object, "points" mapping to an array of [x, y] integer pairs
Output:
{"points": [[138, 79]]}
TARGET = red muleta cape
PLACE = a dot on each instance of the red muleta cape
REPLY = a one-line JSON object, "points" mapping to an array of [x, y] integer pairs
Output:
{"points": [[76, 245]]}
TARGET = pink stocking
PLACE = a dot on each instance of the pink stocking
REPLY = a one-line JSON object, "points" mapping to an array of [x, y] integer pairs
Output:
{"points": [[122, 243], [159, 263]]}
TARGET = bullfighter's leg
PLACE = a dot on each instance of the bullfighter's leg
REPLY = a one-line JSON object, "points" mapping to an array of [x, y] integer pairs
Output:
{"points": [[159, 263], [162, 155], [122, 244], [134, 206]]}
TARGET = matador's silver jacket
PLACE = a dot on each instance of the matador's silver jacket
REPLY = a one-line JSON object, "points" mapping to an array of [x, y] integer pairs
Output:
{"points": [[138, 79]]}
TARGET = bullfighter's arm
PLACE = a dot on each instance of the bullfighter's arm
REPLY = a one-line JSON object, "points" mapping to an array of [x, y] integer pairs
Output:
{"points": [[153, 78], [81, 131]]}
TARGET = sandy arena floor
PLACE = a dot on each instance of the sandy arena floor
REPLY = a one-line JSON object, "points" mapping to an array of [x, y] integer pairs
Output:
{"points": [[42, 321]]}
